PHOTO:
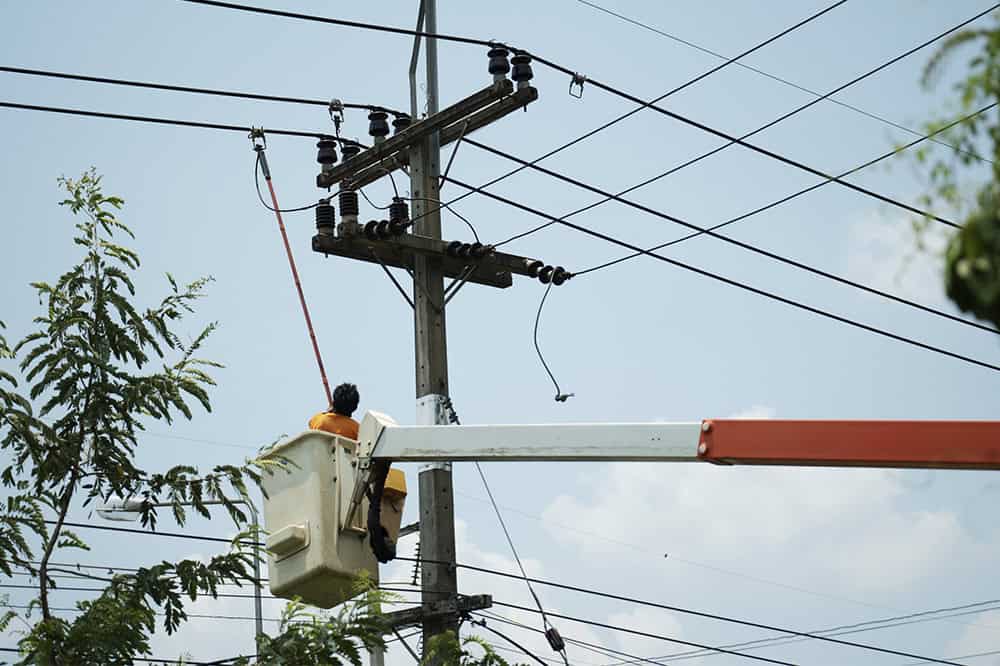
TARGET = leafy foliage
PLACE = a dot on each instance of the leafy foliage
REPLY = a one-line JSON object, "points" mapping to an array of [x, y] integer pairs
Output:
{"points": [[446, 648], [95, 370], [972, 259]]}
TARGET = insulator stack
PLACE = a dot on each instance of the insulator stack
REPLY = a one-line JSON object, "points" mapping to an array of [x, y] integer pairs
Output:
{"points": [[326, 218], [348, 212], [327, 153], [378, 125], [399, 216], [522, 73], [499, 65], [556, 275]]}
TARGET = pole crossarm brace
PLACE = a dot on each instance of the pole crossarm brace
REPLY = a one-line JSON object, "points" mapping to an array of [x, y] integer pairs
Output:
{"points": [[883, 444], [493, 270], [414, 616], [479, 109]]}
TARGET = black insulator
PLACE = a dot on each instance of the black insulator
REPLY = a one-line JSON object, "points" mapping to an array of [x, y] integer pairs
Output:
{"points": [[327, 151], [477, 250], [400, 123], [499, 65], [464, 250], [378, 125], [552, 634], [326, 217], [398, 227], [371, 232], [453, 248], [560, 275], [350, 150], [398, 210], [383, 229], [545, 275], [522, 68], [534, 267], [348, 202]]}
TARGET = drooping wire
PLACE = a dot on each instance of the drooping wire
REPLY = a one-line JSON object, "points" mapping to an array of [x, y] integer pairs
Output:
{"points": [[260, 195], [736, 283], [560, 396], [453, 417]]}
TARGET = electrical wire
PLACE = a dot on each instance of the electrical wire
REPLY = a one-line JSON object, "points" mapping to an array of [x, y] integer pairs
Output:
{"points": [[260, 195], [152, 659], [740, 285], [573, 588], [779, 79], [191, 89], [560, 396], [685, 611], [151, 119], [781, 201], [732, 241], [770, 153], [482, 623]]}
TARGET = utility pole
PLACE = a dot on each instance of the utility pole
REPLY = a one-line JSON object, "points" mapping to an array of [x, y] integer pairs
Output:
{"points": [[437, 508], [414, 243]]}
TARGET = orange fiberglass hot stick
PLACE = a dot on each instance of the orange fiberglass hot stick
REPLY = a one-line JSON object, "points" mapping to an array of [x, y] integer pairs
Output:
{"points": [[295, 273]]}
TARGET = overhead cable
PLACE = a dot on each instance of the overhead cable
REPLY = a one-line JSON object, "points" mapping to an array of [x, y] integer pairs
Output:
{"points": [[191, 89], [736, 283], [773, 77], [731, 241]]}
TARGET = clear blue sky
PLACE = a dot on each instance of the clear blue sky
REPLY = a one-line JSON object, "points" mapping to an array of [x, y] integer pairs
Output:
{"points": [[641, 341]]}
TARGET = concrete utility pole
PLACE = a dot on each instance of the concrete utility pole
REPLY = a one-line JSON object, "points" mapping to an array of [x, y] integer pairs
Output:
{"points": [[437, 508]]}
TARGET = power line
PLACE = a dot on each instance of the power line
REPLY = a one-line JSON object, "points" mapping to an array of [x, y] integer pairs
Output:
{"points": [[349, 24], [191, 89], [482, 623], [769, 153], [151, 659], [735, 283], [606, 595], [688, 611], [779, 202], [154, 120], [779, 79], [732, 241]]}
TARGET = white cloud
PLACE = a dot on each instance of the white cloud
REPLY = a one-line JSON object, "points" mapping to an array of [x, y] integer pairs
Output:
{"points": [[848, 526], [979, 637]]}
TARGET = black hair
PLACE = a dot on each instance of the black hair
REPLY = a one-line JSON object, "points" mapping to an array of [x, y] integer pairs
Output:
{"points": [[345, 399]]}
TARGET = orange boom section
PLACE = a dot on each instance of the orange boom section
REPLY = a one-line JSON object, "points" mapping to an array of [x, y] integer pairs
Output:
{"points": [[918, 444]]}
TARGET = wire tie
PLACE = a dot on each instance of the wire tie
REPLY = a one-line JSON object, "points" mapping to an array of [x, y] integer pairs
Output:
{"points": [[577, 80]]}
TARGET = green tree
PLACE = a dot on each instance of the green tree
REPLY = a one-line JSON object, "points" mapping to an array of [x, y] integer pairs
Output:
{"points": [[95, 371], [967, 179]]}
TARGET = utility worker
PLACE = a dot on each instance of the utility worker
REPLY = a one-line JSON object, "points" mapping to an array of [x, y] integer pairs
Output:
{"points": [[337, 419]]}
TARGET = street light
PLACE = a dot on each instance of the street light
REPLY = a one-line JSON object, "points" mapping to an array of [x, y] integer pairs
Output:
{"points": [[131, 509]]}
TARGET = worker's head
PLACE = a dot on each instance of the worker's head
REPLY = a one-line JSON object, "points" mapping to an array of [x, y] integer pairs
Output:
{"points": [[345, 399]]}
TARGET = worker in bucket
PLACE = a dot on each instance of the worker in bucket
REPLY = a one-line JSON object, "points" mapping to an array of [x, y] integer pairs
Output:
{"points": [[337, 419]]}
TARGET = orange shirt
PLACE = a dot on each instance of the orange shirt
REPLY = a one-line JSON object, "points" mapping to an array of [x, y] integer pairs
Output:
{"points": [[337, 424]]}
